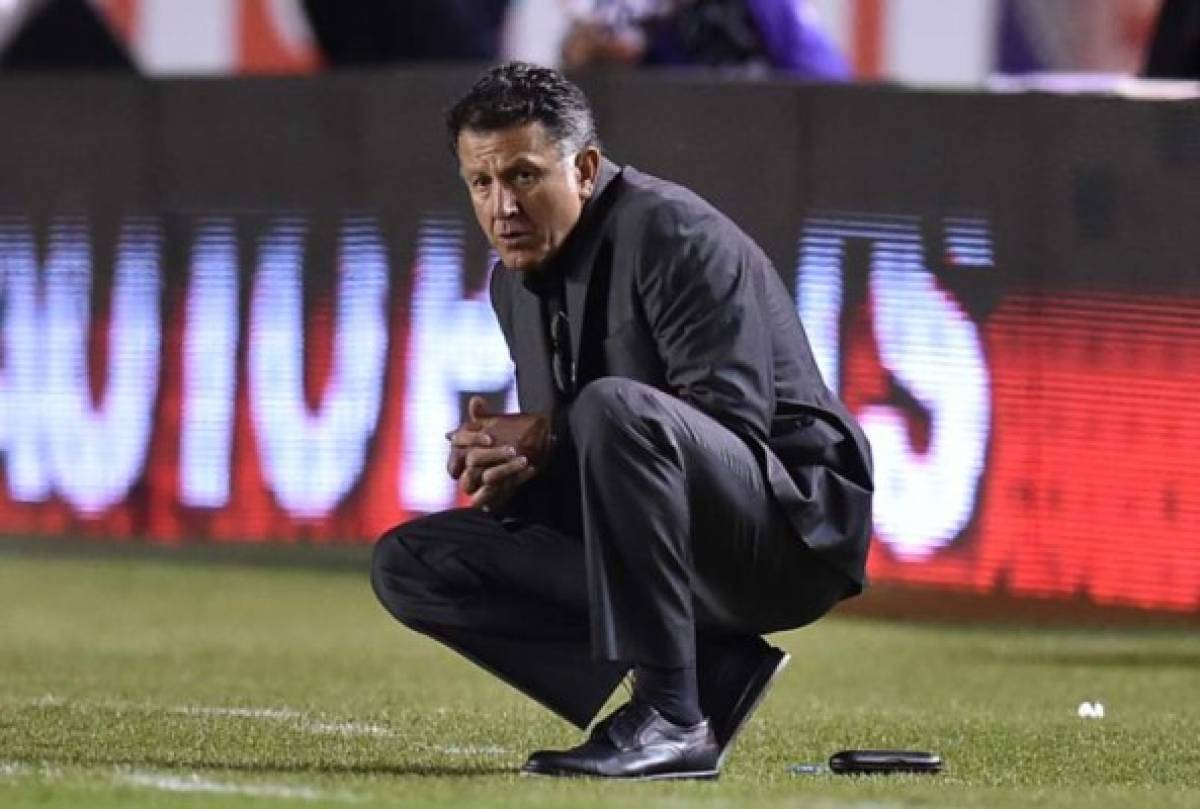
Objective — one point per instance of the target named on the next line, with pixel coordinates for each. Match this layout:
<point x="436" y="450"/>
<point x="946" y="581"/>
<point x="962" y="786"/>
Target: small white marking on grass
<point x="194" y="783"/>
<point x="348" y="728"/>
<point x="283" y="714"/>
<point x="12" y="769"/>
<point x="48" y="701"/>
<point x="468" y="750"/>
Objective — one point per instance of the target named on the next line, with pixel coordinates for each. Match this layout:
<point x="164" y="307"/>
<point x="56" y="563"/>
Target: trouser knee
<point x="394" y="571"/>
<point x="611" y="412"/>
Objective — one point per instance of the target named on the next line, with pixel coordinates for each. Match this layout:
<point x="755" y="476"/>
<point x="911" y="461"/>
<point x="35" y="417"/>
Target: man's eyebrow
<point x="518" y="160"/>
<point x="523" y="160"/>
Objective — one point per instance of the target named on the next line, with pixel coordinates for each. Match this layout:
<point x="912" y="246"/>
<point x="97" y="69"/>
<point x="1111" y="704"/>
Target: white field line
<point x="283" y="715"/>
<point x="194" y="783"/>
<point x="191" y="783"/>
<point x="288" y="715"/>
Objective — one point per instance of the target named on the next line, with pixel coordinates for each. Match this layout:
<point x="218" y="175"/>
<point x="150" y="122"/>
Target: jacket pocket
<point x="808" y="442"/>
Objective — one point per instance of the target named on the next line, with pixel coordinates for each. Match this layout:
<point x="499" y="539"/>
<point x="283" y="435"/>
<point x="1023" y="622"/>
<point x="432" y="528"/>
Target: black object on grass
<point x="866" y="762"/>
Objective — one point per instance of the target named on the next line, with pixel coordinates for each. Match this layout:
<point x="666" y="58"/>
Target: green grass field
<point x="138" y="682"/>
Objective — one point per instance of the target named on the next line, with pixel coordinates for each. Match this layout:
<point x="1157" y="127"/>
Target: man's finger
<point x="456" y="463"/>
<point x="470" y="481"/>
<point x="470" y="438"/>
<point x="498" y="493"/>
<point x="478" y="462"/>
<point x="477" y="409"/>
<point x="461" y="441"/>
<point x="524" y="476"/>
<point x="495" y="474"/>
<point x="484" y="457"/>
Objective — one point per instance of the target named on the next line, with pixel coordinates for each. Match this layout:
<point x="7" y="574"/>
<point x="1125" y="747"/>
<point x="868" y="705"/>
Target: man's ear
<point x="587" y="168"/>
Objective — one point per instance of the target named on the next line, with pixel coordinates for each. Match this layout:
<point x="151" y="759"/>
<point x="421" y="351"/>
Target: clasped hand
<point x="487" y="474"/>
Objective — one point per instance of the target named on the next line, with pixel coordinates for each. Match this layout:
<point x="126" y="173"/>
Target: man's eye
<point x="525" y="177"/>
<point x="480" y="183"/>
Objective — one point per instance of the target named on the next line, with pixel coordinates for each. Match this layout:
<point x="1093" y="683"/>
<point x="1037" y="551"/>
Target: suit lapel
<point x="535" y="385"/>
<point x="580" y="276"/>
<point x="576" y="289"/>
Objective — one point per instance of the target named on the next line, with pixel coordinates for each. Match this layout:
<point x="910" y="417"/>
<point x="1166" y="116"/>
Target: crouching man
<point x="691" y="483"/>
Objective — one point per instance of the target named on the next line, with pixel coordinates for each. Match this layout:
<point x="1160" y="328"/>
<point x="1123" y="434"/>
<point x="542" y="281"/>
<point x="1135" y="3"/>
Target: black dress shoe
<point x="734" y="677"/>
<point x="635" y="742"/>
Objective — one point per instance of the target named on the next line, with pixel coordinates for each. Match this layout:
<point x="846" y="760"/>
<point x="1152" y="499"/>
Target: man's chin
<point x="522" y="262"/>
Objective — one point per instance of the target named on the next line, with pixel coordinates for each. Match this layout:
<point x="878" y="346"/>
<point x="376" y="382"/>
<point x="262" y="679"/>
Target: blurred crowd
<point x="753" y="36"/>
<point x="757" y="36"/>
<point x="827" y="40"/>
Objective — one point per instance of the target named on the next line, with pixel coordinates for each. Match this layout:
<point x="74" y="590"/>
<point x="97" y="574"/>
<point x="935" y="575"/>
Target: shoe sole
<point x="699" y="775"/>
<point x="780" y="665"/>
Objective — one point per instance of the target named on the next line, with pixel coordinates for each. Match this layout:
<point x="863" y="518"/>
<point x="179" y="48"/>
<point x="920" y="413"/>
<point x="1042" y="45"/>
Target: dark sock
<point x="672" y="692"/>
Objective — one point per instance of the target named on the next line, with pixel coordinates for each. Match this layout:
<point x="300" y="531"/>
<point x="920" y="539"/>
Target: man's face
<point x="526" y="194"/>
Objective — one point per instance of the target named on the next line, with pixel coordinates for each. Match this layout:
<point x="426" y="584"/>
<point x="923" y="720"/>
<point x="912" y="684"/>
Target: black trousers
<point x="681" y="543"/>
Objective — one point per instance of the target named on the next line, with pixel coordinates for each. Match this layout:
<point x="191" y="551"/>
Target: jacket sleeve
<point x="701" y="297"/>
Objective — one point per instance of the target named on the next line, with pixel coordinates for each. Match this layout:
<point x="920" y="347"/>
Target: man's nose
<point x="506" y="202"/>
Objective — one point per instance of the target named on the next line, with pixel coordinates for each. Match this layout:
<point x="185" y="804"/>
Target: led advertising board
<point x="249" y="311"/>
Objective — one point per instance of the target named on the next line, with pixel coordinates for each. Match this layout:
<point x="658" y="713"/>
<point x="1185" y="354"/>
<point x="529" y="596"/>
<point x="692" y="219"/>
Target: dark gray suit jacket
<point x="664" y="289"/>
